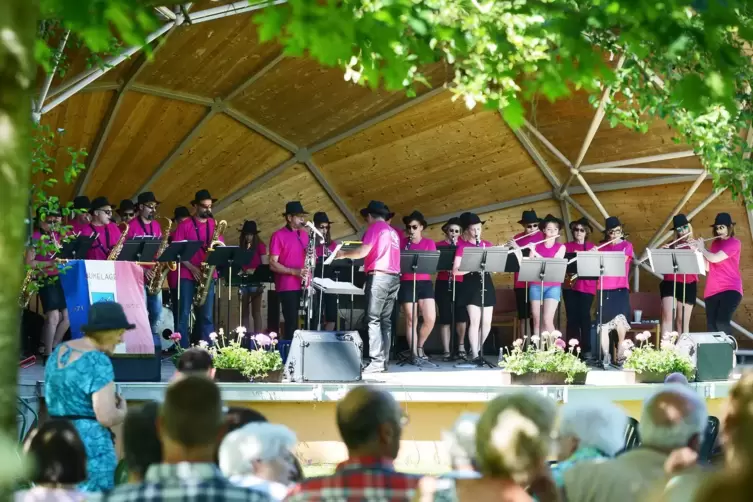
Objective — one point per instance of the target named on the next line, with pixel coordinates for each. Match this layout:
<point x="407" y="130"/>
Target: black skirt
<point x="614" y="303"/>
<point x="687" y="296"/>
<point x="472" y="290"/>
<point x="443" y="297"/>
<point x="424" y="290"/>
<point x="52" y="297"/>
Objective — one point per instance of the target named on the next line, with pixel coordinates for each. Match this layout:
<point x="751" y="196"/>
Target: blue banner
<point x="76" y="289"/>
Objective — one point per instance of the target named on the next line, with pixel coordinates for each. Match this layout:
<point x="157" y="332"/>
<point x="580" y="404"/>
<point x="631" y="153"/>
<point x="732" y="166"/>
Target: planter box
<point x="272" y="377"/>
<point x="542" y="378"/>
<point x="229" y="375"/>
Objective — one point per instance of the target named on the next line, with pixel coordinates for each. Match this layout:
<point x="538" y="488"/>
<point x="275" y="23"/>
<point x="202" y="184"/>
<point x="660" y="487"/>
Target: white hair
<point x="599" y="425"/>
<point x="254" y="441"/>
<point x="693" y="422"/>
<point x="461" y="439"/>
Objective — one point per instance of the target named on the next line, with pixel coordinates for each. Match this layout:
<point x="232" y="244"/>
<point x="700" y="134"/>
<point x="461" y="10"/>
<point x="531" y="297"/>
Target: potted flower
<point x="235" y="363"/>
<point x="653" y="366"/>
<point x="547" y="360"/>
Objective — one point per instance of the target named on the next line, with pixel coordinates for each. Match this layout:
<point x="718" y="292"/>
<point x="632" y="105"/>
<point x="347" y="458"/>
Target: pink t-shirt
<point x="137" y="228"/>
<point x="47" y="244"/>
<point x="534" y="237"/>
<point x="261" y="250"/>
<point x="682" y="278"/>
<point x="290" y="248"/>
<point x="320" y="249"/>
<point x="191" y="229"/>
<point x="423" y="245"/>
<point x="443" y="276"/>
<point x="77" y="227"/>
<point x="384" y="255"/>
<point x="106" y="238"/>
<point x="551" y="252"/>
<point x="619" y="282"/>
<point x="582" y="285"/>
<point x="725" y="275"/>
<point x="462" y="244"/>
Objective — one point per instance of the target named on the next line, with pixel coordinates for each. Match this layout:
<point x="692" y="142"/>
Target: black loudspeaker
<point x="712" y="354"/>
<point x="324" y="356"/>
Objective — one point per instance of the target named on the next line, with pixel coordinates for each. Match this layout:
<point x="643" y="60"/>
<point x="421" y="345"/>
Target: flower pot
<point x="271" y="377"/>
<point x="650" y="377"/>
<point x="541" y="378"/>
<point x="229" y="375"/>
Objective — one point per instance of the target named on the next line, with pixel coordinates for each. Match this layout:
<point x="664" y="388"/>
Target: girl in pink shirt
<point x="251" y="294"/>
<point x="531" y="233"/>
<point x="580" y="296"/>
<point x="724" y="284"/>
<point x="443" y="295"/>
<point x="324" y="248"/>
<point x="424" y="289"/>
<point x="680" y="288"/>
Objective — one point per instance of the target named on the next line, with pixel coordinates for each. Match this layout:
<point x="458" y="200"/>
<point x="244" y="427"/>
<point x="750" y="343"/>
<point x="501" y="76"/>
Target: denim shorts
<point x="550" y="292"/>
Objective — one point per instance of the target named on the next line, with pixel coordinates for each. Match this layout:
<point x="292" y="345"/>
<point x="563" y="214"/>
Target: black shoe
<point x="374" y="368"/>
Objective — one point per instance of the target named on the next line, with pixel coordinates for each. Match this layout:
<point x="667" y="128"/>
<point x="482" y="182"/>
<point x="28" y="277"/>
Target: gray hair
<point x="461" y="439"/>
<point x="513" y="435"/>
<point x="672" y="416"/>
<point x="599" y="425"/>
<point x="254" y="441"/>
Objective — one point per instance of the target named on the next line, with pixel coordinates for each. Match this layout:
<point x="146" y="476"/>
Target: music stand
<point x="601" y="264"/>
<point x="229" y="256"/>
<point x="417" y="262"/>
<point x="76" y="249"/>
<point x="543" y="270"/>
<point x="482" y="260"/>
<point x="445" y="264"/>
<point x="137" y="249"/>
<point x="676" y="261"/>
<point x="350" y="246"/>
<point x="178" y="252"/>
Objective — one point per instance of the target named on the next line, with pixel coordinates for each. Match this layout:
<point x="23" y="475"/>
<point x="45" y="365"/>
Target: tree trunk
<point x="17" y="75"/>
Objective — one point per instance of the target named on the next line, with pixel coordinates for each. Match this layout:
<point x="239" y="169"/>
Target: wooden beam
<point x="548" y="144"/>
<point x="565" y="209"/>
<point x="250" y="187"/>
<point x="170" y="94"/>
<point x="341" y="205"/>
<point x="637" y="161"/>
<point x="592" y="195"/>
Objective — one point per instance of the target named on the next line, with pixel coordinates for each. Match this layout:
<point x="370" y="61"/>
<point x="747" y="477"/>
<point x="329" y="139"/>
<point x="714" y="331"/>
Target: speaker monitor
<point x="712" y="354"/>
<point x="324" y="356"/>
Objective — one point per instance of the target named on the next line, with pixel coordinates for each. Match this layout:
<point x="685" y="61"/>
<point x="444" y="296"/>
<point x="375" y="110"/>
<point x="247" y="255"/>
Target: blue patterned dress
<point x="68" y="392"/>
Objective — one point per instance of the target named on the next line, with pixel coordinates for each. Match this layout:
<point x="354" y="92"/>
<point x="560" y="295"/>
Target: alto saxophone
<point x="25" y="296"/>
<point x="309" y="265"/>
<point x="115" y="251"/>
<point x="161" y="269"/>
<point x="207" y="270"/>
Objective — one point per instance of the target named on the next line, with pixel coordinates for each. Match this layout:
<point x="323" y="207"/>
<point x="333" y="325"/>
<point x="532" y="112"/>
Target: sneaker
<point x="374" y="368"/>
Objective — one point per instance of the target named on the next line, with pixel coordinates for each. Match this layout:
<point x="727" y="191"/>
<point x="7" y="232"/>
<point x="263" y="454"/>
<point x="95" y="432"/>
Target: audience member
<point x="141" y="444"/>
<point x="189" y="425"/>
<point x="370" y="422"/>
<point x="259" y="455"/>
<point x="194" y="361"/>
<point x="588" y="430"/>
<point x="461" y="446"/>
<point x="59" y="459"/>
<point x="673" y="418"/>
<point x="677" y="378"/>
<point x="236" y="417"/>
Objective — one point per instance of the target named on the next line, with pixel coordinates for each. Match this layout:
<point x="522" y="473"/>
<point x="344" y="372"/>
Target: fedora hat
<point x="181" y="212"/>
<point x="321" y="217"/>
<point x="202" y="194"/>
<point x="611" y="222"/>
<point x="452" y="221"/>
<point x="126" y="204"/>
<point x="99" y="203"/>
<point x="583" y="222"/>
<point x="723" y="219"/>
<point x="249" y="227"/>
<point x="294" y="207"/>
<point x="378" y="208"/>
<point x="104" y="316"/>
<point x="529" y="217"/>
<point x="415" y="216"/>
<point x="147" y="197"/>
<point x="679" y="220"/>
<point x="468" y="219"/>
<point x="550" y="218"/>
<point x="82" y="202"/>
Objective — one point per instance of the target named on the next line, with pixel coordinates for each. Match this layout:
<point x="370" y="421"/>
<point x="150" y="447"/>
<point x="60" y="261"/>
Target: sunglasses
<point x="579" y="229"/>
<point x="129" y="215"/>
<point x="531" y="227"/>
<point x="614" y="231"/>
<point x="412" y="227"/>
<point x="453" y="231"/>
<point x="106" y="211"/>
<point x="682" y="229"/>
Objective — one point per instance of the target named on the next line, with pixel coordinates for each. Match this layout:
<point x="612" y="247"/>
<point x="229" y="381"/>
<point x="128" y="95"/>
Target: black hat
<point x="181" y="212"/>
<point x="98" y="203"/>
<point x="126" y="204"/>
<point x="584" y="222"/>
<point x="82" y="202"/>
<point x="611" y="222"/>
<point x="468" y="219"/>
<point x="294" y="207"/>
<point x="249" y="227"/>
<point x="550" y="218"/>
<point x="146" y="197"/>
<point x="529" y="217"/>
<point x="415" y="216"/>
<point x="679" y="220"/>
<point x="378" y="208"/>
<point x="321" y="217"/>
<point x="723" y="219"/>
<point x="104" y="316"/>
<point x="46" y="211"/>
<point x="202" y="194"/>
<point x="452" y="221"/>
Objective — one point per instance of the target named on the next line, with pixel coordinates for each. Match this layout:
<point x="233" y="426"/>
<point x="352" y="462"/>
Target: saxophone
<point x="207" y="270"/>
<point x="161" y="268"/>
<point x="309" y="265"/>
<point x="115" y="251"/>
<point x="25" y="296"/>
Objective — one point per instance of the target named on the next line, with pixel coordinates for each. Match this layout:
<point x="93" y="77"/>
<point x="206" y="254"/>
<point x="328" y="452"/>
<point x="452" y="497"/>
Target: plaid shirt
<point x="184" y="482"/>
<point x="358" y="480"/>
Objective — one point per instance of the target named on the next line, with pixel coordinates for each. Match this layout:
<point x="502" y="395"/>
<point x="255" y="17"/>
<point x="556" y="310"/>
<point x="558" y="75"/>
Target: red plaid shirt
<point x="358" y="480"/>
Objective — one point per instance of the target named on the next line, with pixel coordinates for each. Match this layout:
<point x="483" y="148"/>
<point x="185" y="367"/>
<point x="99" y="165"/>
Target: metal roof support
<point x="518" y="201"/>
<point x="242" y="7"/>
<point x="634" y="183"/>
<point x="537" y="158"/>
<point x="637" y="160"/>
<point x="677" y="208"/>
<point x="591" y="194"/>
<point x="548" y="144"/>
<point x="243" y="191"/>
<point x="565" y="209"/>
<point x="169" y="94"/>
<point x="647" y="170"/>
<point x="166" y="13"/>
<point x="341" y="205"/>
<point x="37" y="113"/>
<point x="585" y="213"/>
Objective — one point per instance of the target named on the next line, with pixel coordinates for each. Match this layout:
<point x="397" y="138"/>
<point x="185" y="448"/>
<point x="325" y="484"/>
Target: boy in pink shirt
<point x="82" y="217"/>
<point x="106" y="233"/>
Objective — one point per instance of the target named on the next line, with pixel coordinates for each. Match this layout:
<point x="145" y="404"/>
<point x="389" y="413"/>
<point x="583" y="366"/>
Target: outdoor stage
<point x="432" y="397"/>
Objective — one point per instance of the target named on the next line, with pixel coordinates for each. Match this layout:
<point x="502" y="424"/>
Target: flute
<point x="596" y="248"/>
<point x="522" y="237"/>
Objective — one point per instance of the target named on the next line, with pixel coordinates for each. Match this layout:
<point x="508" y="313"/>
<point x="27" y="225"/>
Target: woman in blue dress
<point x="80" y="387"/>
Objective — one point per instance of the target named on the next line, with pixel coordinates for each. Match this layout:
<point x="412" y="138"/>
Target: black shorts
<point x="329" y="312"/>
<point x="472" y="290"/>
<point x="424" y="290"/>
<point x="443" y="297"/>
<point x="688" y="296"/>
<point x="615" y="302"/>
<point x="522" y="304"/>
<point x="52" y="297"/>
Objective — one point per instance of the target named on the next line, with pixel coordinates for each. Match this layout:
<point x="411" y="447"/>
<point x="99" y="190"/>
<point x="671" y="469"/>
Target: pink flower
<point x="573" y="342"/>
<point x="263" y="339"/>
<point x="273" y="335"/>
<point x="643" y="337"/>
<point x="560" y="343"/>
<point x="556" y="334"/>
<point x="175" y="337"/>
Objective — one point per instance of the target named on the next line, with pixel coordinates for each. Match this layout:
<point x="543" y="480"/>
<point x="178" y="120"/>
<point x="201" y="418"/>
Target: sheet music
<point x="701" y="262"/>
<point x="334" y="287"/>
<point x="650" y="258"/>
<point x="332" y="255"/>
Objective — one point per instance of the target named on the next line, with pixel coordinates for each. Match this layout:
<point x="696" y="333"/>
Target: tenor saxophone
<point x="115" y="251"/>
<point x="161" y="269"/>
<point x="207" y="270"/>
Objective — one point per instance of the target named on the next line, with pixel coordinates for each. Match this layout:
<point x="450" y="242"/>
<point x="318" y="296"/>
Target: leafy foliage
<point x="547" y="353"/>
<point x="668" y="359"/>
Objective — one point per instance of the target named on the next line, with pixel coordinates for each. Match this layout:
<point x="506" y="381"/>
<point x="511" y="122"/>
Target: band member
<point x="724" y="284"/>
<point x="144" y="226"/>
<point x="199" y="227"/>
<point x="681" y="287"/>
<point x="82" y="217"/>
<point x="106" y="233"/>
<point x="180" y="213"/>
<point x="287" y="260"/>
<point x="322" y="223"/>
<point x="552" y="291"/>
<point x="424" y="294"/>
<point x="251" y="294"/>
<point x="580" y="296"/>
<point x="471" y="237"/>
<point x="443" y="296"/>
<point x="531" y="233"/>
<point x="381" y="252"/>
<point x="127" y="210"/>
<point x="616" y="290"/>
<point x="45" y="240"/>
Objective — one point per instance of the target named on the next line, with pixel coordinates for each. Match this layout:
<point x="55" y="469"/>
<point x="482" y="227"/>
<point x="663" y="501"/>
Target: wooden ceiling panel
<point x="143" y="134"/>
<point x="306" y="103"/>
<point x="211" y="58"/>
<point x="436" y="157"/>
<point x="76" y="122"/>
<point x="224" y="157"/>
<point x="267" y="203"/>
